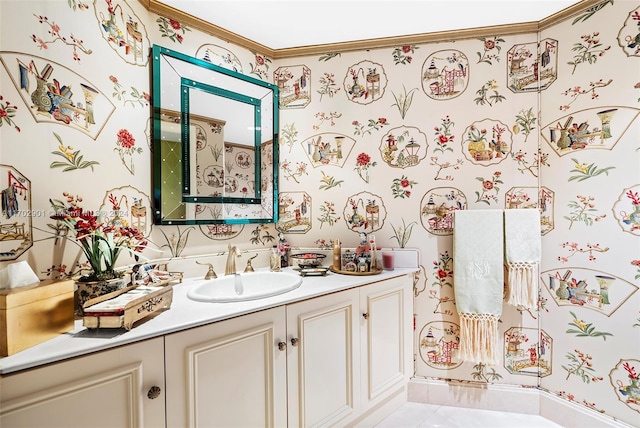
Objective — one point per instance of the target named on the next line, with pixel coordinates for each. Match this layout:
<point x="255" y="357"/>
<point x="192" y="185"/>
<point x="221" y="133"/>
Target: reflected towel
<point x="522" y="254"/>
<point x="478" y="259"/>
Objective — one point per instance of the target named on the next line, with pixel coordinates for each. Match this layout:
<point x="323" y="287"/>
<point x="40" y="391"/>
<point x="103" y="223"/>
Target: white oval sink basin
<point x="244" y="286"/>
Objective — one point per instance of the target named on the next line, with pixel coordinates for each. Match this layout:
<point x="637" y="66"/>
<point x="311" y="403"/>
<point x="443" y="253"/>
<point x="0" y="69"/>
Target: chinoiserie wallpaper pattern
<point x="390" y="141"/>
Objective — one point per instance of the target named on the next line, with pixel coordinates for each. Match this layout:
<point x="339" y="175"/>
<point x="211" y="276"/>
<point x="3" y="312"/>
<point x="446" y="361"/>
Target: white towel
<point x="478" y="274"/>
<point x="523" y="250"/>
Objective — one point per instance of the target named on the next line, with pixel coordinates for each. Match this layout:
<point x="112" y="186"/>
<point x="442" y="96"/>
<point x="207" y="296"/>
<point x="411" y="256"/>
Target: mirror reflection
<point x="213" y="134"/>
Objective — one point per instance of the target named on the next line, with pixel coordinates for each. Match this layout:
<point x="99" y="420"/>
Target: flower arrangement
<point x="101" y="241"/>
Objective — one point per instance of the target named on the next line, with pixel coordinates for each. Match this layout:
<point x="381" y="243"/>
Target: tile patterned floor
<point x="417" y="415"/>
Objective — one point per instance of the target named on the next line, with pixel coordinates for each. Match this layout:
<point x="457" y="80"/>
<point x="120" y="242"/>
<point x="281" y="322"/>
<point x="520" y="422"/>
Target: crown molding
<point x="207" y="27"/>
<point x="569" y="12"/>
<point x="368" y="44"/>
<point x="412" y="39"/>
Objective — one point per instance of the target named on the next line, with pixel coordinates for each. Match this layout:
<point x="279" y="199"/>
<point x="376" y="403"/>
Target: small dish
<point x="308" y="259"/>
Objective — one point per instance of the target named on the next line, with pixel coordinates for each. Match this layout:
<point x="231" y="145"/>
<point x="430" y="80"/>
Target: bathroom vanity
<point x="335" y="351"/>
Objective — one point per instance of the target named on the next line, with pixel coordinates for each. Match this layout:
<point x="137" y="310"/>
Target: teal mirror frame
<point x="188" y="86"/>
<point x="172" y="182"/>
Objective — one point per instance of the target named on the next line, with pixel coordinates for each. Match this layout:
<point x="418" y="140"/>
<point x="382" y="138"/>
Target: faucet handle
<point x="249" y="267"/>
<point x="211" y="274"/>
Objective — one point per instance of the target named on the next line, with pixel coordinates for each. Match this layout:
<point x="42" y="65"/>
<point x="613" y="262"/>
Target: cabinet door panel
<point x="323" y="374"/>
<point x="387" y="336"/>
<point x="106" y="389"/>
<point x="228" y="374"/>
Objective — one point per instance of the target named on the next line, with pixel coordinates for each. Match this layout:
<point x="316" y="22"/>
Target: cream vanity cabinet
<point x="293" y="365"/>
<point x="325" y="361"/>
<point x="332" y="360"/>
<point x="121" y="387"/>
<point x="386" y="343"/>
<point x="230" y="373"/>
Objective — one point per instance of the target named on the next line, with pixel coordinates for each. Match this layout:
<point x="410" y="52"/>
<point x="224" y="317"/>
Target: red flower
<point x="3" y="113"/>
<point x="406" y="49"/>
<point x="443" y="138"/>
<point x="125" y="139"/>
<point x="487" y="185"/>
<point x="442" y="274"/>
<point x="363" y="159"/>
<point x="114" y="79"/>
<point x="259" y="60"/>
<point x="489" y="44"/>
<point x="404" y="183"/>
<point x="382" y="120"/>
<point x="174" y="24"/>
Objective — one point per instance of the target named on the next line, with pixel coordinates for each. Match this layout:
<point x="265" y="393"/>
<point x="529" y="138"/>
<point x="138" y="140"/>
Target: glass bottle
<point x="373" y="266"/>
<point x="337" y="255"/>
<point x="274" y="260"/>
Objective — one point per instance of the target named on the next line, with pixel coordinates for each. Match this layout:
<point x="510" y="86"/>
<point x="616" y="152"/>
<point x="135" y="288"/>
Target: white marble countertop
<point x="183" y="314"/>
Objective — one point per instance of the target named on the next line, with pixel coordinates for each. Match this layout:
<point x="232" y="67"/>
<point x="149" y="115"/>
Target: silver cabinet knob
<point x="294" y="341"/>
<point x="282" y="346"/>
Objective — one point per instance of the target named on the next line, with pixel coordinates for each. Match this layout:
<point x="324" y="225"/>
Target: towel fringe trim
<point x="523" y="287"/>
<point x="479" y="342"/>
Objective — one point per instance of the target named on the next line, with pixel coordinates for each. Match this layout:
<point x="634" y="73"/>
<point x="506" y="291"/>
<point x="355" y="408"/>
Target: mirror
<point x="215" y="145"/>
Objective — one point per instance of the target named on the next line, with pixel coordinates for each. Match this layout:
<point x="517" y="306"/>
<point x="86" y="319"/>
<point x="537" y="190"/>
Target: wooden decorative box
<point x="33" y="314"/>
<point x="122" y="308"/>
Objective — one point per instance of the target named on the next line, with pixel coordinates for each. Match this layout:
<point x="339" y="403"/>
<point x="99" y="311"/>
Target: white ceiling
<point x="298" y="23"/>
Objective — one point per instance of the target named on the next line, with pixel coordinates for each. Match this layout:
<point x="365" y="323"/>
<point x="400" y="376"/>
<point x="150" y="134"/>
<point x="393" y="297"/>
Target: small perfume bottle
<point x="274" y="260"/>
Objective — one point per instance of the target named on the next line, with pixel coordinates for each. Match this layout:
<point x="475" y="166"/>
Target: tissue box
<point x="33" y="314"/>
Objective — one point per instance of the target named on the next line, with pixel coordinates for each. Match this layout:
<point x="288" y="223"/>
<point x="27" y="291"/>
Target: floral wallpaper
<point x="392" y="140"/>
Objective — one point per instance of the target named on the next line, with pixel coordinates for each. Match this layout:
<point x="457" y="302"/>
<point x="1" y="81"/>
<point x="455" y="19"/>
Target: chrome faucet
<point x="230" y="267"/>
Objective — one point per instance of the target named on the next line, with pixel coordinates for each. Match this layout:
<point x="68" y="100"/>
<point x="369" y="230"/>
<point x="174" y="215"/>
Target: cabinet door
<point x="228" y="374"/>
<point x="323" y="360"/>
<point x="386" y="337"/>
<point x="106" y="389"/>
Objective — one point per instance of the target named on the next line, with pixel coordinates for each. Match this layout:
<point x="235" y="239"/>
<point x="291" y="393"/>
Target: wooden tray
<point x="134" y="310"/>
<point x="345" y="272"/>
